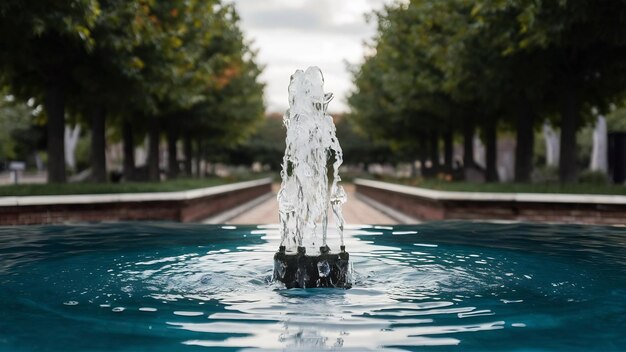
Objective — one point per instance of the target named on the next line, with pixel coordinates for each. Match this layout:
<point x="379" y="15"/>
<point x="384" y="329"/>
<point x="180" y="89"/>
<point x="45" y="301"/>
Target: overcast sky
<point x="295" y="34"/>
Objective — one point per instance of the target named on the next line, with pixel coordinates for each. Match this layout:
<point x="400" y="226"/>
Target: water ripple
<point x="169" y="286"/>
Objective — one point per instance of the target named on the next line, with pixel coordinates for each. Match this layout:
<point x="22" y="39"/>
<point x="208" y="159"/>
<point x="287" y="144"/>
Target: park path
<point x="355" y="211"/>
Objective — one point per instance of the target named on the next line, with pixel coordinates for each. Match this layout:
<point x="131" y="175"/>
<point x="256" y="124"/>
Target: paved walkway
<point x="24" y="178"/>
<point x="355" y="211"/>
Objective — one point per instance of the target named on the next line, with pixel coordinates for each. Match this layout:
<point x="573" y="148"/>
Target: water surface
<point x="438" y="286"/>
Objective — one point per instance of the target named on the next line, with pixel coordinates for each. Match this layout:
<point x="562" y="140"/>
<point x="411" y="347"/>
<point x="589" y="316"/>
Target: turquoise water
<point x="438" y="286"/>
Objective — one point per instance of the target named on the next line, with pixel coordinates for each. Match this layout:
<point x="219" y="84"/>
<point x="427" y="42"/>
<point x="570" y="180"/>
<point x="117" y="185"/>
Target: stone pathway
<point x="355" y="211"/>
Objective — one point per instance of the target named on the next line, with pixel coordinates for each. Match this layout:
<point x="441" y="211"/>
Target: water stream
<point x="310" y="169"/>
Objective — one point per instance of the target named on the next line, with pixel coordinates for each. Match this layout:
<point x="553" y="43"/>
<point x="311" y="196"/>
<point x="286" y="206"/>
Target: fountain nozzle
<point x="299" y="270"/>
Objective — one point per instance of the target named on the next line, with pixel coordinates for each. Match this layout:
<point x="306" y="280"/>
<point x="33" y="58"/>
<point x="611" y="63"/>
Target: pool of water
<point x="436" y="286"/>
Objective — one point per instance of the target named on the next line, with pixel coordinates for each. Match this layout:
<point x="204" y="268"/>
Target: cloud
<point x="295" y="34"/>
<point x="303" y="19"/>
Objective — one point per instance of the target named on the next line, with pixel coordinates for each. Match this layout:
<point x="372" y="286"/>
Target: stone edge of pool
<point x="184" y="206"/>
<point x="428" y="204"/>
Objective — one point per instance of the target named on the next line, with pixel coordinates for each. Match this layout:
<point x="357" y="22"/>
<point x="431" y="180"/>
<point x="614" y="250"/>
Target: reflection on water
<point x="169" y="286"/>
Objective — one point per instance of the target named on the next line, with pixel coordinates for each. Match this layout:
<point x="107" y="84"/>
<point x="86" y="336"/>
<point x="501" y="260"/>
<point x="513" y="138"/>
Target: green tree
<point x="145" y="65"/>
<point x="206" y="86"/>
<point x="402" y="94"/>
<point x="448" y="63"/>
<point x="232" y="104"/>
<point x="507" y="86"/>
<point x="582" y="46"/>
<point x="112" y="72"/>
<point x="41" y="43"/>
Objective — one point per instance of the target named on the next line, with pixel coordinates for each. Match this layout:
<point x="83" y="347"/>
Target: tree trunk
<point x="202" y="155"/>
<point x="525" y="140"/>
<point x="202" y="151"/>
<point x="188" y="151"/>
<point x="54" y="103"/>
<point x="448" y="149"/>
<point x="153" y="152"/>
<point x="172" y="151"/>
<point x="491" y="145"/>
<point x="468" y="143"/>
<point x="199" y="159"/>
<point x="423" y="155"/>
<point x="570" y="113"/>
<point x="434" y="150"/>
<point x="98" y="144"/>
<point x="129" y="151"/>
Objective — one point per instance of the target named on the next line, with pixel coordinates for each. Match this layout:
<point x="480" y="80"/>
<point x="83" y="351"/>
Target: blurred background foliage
<point x="442" y="69"/>
<point x="179" y="79"/>
<point x="179" y="70"/>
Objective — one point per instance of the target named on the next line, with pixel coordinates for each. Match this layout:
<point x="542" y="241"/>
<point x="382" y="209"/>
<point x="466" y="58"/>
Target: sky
<point x="296" y="34"/>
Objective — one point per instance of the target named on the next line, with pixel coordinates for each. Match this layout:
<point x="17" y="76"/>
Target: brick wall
<point x="424" y="208"/>
<point x="172" y="210"/>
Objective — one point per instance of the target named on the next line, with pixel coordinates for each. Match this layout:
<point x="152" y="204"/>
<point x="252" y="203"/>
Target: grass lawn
<point x="547" y="187"/>
<point x="124" y="187"/>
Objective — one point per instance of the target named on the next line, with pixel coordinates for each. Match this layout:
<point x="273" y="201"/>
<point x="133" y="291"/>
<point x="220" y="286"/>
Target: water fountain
<point x="307" y="191"/>
<point x="446" y="285"/>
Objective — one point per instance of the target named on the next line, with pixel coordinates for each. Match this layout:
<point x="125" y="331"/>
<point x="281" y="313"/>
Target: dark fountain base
<point x="298" y="270"/>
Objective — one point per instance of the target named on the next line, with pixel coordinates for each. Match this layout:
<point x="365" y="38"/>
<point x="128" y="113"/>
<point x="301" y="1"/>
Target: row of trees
<point x="267" y="146"/>
<point x="142" y="67"/>
<point x="442" y="67"/>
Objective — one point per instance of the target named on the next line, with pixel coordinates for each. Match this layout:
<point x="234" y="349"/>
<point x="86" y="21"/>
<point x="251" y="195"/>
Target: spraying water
<point x="312" y="150"/>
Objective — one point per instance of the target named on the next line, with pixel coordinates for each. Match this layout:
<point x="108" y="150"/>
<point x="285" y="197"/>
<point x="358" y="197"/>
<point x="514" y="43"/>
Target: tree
<point x="143" y="65"/>
<point x="581" y="43"/>
<point x="396" y="88"/>
<point x="204" y="87"/>
<point x="40" y="44"/>
<point x="454" y="62"/>
<point x="404" y="93"/>
<point x="112" y="71"/>
<point x="232" y="104"/>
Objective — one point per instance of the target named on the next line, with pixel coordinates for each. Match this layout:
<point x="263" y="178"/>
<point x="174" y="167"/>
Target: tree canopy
<point x="454" y="64"/>
<point x="145" y="65"/>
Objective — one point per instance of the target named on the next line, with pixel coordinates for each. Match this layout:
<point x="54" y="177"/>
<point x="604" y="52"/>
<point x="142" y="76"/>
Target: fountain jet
<point x="310" y="186"/>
